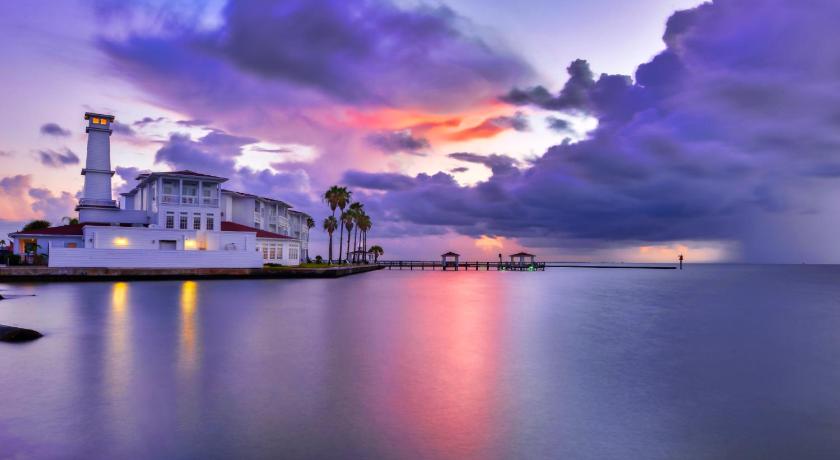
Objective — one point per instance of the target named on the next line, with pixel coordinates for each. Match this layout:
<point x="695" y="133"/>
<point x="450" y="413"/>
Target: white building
<point x="271" y="216"/>
<point x="169" y="220"/>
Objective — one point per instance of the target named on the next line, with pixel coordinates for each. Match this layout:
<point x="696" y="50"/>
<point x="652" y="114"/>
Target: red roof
<point x="64" y="230"/>
<point x="234" y="227"/>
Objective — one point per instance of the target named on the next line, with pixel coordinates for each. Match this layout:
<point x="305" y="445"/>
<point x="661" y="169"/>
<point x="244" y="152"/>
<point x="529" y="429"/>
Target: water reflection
<point x="448" y="366"/>
<point x="118" y="363"/>
<point x="188" y="360"/>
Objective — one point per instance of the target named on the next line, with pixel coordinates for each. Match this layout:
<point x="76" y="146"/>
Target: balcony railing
<point x="189" y="200"/>
<point x="206" y="201"/>
<point x="169" y="199"/>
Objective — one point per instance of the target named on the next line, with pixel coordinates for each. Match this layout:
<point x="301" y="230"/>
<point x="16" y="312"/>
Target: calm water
<point x="710" y="362"/>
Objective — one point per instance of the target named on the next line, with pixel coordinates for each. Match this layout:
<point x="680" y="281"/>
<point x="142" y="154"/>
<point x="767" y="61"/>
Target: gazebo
<point x="449" y="259"/>
<point x="519" y="259"/>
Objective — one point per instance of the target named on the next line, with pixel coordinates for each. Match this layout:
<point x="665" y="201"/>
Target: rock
<point x="17" y="334"/>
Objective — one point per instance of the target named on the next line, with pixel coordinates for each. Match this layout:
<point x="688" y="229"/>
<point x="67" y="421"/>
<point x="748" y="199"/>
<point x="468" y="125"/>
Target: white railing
<point x="169" y="199"/>
<point x="210" y="201"/>
<point x="189" y="199"/>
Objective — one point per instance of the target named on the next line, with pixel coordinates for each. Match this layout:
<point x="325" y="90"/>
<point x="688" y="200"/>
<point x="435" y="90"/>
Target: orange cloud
<point x="490" y="244"/>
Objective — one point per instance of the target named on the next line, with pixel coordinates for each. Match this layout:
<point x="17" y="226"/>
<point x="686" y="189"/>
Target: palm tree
<point x="342" y="197"/>
<point x="358" y="211"/>
<point x="377" y="251"/>
<point x="331" y="197"/>
<point x="346" y="222"/>
<point x="69" y="220"/>
<point x="329" y="225"/>
<point x="348" y="218"/>
<point x="310" y="224"/>
<point x="364" y="226"/>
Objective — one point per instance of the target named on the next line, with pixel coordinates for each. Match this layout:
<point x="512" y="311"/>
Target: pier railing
<point x="474" y="265"/>
<point x="508" y="266"/>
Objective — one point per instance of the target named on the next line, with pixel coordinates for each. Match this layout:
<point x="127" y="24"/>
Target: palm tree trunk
<point x="340" y="240"/>
<point x="355" y="242"/>
<point x="330" y="255"/>
<point x="348" y="245"/>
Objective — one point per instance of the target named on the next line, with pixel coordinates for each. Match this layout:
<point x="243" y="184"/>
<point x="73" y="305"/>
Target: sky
<point x="604" y="130"/>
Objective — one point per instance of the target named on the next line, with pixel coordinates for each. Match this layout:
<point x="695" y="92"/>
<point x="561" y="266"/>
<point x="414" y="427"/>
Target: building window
<point x="183" y="223"/>
<point x="293" y="253"/>
<point x="256" y="206"/>
<point x="279" y="251"/>
<point x="196" y="221"/>
<point x="265" y="251"/>
<point x="272" y="252"/>
<point x="170" y="220"/>
<point x="211" y="224"/>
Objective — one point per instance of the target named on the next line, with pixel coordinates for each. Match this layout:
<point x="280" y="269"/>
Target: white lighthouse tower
<point x="96" y="203"/>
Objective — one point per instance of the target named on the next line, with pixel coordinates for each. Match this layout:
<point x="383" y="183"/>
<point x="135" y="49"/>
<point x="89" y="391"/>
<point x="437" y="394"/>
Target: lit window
<point x="120" y="241"/>
<point x="95" y="120"/>
<point x="190" y="244"/>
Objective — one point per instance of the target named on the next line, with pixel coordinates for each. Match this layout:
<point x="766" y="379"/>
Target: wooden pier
<point x="505" y="266"/>
<point x="455" y="266"/>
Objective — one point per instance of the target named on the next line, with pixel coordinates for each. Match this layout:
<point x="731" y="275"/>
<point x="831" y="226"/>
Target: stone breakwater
<point x="10" y="274"/>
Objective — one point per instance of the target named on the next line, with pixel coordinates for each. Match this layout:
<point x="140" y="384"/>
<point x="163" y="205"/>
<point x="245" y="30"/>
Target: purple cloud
<point x="398" y="141"/>
<point x="377" y="181"/>
<point x="729" y="131"/>
<point x="53" y="129"/>
<point x="122" y="129"/>
<point x="498" y="164"/>
<point x="558" y="125"/>
<point x="53" y="207"/>
<point x="56" y="159"/>
<point x="216" y="153"/>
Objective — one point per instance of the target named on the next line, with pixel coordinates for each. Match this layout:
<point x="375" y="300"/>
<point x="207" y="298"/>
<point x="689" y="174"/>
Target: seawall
<point x="11" y="274"/>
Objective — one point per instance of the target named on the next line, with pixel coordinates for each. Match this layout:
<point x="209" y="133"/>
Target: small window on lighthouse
<point x="95" y="120"/>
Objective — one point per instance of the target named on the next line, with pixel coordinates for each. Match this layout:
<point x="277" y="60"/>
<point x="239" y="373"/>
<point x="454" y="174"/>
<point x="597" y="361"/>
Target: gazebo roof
<point x="450" y="253"/>
<point x="522" y="254"/>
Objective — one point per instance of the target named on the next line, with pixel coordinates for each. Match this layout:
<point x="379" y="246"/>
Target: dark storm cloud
<point x="53" y="207"/>
<point x="363" y="52"/>
<point x="216" y="153"/>
<point x="122" y="129"/>
<point x="516" y="122"/>
<point x="729" y="131"/>
<point x="398" y="141"/>
<point x="129" y="175"/>
<point x="148" y="121"/>
<point x="558" y="125"/>
<point x="53" y="129"/>
<point x="498" y="164"/>
<point x="377" y="181"/>
<point x="193" y="123"/>
<point x="57" y="159"/>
